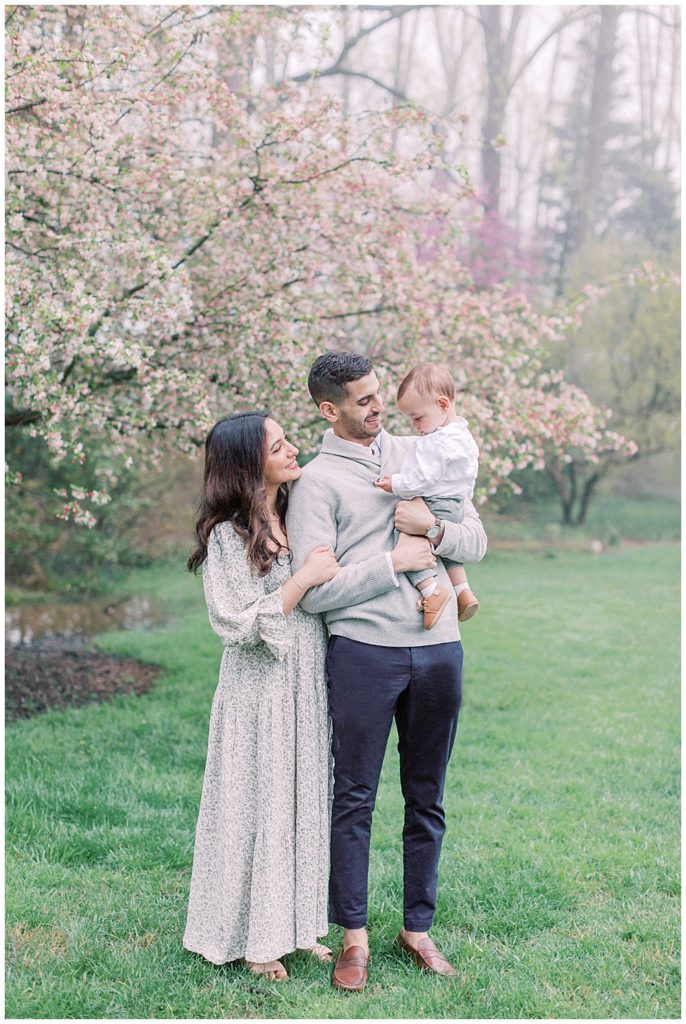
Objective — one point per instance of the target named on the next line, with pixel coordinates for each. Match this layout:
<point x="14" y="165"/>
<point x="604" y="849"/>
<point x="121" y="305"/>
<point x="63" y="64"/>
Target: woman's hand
<point x="320" y="567"/>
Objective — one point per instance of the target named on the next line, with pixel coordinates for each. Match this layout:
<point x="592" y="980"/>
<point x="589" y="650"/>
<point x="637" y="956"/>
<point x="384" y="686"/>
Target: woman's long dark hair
<point x="234" y="490"/>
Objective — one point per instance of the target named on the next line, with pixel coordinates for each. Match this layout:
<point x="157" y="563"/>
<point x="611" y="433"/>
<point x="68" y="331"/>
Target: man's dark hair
<point x="332" y="371"/>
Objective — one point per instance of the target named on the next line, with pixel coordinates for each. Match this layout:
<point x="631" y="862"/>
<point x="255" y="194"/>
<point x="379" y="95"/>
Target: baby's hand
<point x="384" y="484"/>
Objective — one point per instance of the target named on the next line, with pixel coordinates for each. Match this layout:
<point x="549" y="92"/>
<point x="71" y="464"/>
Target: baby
<point x="441" y="467"/>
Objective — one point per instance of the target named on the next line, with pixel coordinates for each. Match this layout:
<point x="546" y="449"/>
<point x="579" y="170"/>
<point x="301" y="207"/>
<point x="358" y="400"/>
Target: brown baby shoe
<point x="434" y="606"/>
<point x="467" y="605"/>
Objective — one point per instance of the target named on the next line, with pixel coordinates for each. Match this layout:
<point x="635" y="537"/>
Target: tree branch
<point x="22" y="417"/>
<point x="25" y="106"/>
<point x="332" y="170"/>
<point x="156" y="28"/>
<point x="650" y="12"/>
<point x="515" y="20"/>
<point x="27" y="252"/>
<point x="129" y="292"/>
<point x="357" y="312"/>
<point x="69" y="369"/>
<point x="568" y="19"/>
<point x="337" y="67"/>
<point x="395" y="13"/>
<point x="173" y="68"/>
<point x="403" y="97"/>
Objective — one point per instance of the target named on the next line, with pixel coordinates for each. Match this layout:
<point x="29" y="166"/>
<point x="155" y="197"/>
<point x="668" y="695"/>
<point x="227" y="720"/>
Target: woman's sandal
<point x="273" y="970"/>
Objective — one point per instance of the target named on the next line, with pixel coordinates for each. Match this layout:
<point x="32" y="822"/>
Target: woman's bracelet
<point x="304" y="589"/>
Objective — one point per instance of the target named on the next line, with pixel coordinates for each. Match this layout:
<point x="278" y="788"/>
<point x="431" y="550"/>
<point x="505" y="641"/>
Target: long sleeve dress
<point x="259" y="886"/>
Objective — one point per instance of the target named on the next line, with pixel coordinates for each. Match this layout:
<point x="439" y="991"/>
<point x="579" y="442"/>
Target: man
<point x="381" y="662"/>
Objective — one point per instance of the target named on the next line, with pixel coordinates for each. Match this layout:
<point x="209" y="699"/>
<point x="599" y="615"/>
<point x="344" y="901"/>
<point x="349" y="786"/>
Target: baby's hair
<point x="428" y="379"/>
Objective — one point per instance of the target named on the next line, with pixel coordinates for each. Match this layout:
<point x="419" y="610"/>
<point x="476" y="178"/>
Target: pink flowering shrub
<point x="183" y="241"/>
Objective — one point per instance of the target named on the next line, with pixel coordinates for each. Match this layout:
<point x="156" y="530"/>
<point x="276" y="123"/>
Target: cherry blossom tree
<point x="184" y="237"/>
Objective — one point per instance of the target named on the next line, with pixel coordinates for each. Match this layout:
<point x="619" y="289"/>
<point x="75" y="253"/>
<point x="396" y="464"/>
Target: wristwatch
<point x="434" y="530"/>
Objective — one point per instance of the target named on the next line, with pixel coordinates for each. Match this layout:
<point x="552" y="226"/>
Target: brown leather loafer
<point x="350" y="971"/>
<point x="427" y="956"/>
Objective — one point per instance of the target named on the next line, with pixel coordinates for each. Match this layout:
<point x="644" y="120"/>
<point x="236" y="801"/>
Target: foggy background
<point x="567" y="120"/>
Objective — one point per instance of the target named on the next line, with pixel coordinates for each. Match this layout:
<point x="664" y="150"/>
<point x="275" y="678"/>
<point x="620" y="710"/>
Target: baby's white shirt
<point x="441" y="464"/>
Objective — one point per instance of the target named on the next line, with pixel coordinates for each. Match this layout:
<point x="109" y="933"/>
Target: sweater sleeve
<point x="311" y="521"/>
<point x="241" y="613"/>
<point x="465" y="541"/>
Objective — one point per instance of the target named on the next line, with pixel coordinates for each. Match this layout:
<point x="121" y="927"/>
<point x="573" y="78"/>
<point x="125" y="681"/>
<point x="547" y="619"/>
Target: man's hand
<point x="412" y="553"/>
<point x="413" y="516"/>
<point x="384" y="483"/>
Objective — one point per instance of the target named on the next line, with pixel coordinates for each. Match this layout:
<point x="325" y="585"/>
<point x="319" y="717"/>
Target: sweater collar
<point x="333" y="445"/>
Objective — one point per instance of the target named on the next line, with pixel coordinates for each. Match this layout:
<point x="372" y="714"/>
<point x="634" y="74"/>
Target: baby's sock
<point x="428" y="589"/>
<point x="459" y="587"/>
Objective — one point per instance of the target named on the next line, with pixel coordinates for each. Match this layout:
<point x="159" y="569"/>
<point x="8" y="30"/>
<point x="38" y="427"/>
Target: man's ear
<point x="328" y="411"/>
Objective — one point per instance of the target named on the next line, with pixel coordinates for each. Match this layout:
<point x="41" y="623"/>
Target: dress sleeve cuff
<point x="273" y="626"/>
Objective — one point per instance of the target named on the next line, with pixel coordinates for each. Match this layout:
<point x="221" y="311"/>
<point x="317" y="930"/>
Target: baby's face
<point x="423" y="411"/>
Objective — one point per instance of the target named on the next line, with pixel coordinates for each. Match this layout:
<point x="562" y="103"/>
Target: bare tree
<point x="501" y="77"/>
<point x="340" y="65"/>
<point x="499" y="43"/>
<point x="670" y="125"/>
<point x="598" y="125"/>
<point x="402" y="63"/>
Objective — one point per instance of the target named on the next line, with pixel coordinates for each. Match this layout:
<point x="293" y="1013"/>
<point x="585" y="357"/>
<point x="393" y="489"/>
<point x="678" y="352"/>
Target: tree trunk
<point x="496" y="101"/>
<point x="586" y="495"/>
<point x="345" y="81"/>
<point x="566" y="489"/>
<point x="598" y="123"/>
<point x="673" y="85"/>
<point x="551" y="99"/>
<point x="397" y="75"/>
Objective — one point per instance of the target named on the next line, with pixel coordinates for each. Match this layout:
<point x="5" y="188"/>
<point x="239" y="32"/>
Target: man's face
<point x="359" y="416"/>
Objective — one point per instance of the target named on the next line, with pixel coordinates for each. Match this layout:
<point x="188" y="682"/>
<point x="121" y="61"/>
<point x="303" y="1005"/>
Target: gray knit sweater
<point x="334" y="502"/>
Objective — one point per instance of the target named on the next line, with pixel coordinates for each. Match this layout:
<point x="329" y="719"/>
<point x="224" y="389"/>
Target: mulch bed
<point x="38" y="678"/>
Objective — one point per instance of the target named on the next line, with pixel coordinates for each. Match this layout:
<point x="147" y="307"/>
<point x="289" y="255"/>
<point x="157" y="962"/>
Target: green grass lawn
<point x="559" y="890"/>
<point x="611" y="519"/>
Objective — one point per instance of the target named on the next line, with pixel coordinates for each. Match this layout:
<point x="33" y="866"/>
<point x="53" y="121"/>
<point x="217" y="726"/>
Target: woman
<point x="260" y="868"/>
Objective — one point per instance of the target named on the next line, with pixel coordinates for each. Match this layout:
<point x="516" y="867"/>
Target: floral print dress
<point x="259" y="886"/>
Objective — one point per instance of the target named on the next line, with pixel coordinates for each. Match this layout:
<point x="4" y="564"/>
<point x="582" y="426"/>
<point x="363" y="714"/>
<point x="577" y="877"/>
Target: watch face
<point x="433" y="531"/>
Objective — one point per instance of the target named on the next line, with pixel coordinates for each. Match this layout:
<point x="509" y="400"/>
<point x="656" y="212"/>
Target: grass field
<point x="611" y="519"/>
<point x="559" y="893"/>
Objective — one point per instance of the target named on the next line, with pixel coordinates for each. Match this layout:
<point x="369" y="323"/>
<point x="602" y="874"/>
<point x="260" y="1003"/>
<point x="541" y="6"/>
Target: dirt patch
<point x="39" y="940"/>
<point x="38" y="678"/>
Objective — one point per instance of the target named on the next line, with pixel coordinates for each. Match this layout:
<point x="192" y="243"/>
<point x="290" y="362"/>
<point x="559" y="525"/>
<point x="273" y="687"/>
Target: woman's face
<point x="279" y="464"/>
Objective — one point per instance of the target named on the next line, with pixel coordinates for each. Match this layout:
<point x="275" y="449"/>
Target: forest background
<point x="200" y="199"/>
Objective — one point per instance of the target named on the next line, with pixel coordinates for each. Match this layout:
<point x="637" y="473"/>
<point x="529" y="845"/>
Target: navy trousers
<point x="421" y="688"/>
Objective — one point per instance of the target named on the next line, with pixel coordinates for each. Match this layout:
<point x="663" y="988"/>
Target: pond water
<point x="29" y="623"/>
